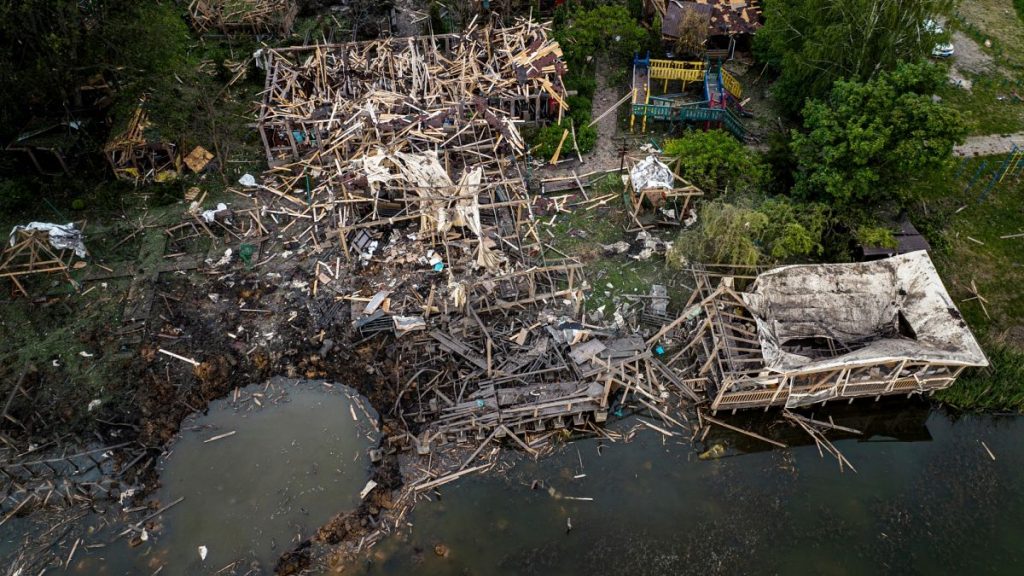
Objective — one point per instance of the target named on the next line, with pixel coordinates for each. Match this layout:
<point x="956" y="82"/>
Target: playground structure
<point x="1010" y="166"/>
<point x="721" y="92"/>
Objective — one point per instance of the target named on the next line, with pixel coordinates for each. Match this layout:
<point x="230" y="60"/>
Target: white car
<point x="944" y="49"/>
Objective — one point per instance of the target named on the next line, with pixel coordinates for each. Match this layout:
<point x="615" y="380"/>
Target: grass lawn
<point x="967" y="234"/>
<point x="582" y="234"/>
<point x="991" y="106"/>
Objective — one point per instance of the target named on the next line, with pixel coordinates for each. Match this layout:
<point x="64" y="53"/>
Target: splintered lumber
<point x="610" y="109"/>
<point x="820" y="440"/>
<point x="655" y="428"/>
<point x="177" y="356"/>
<point x="830" y="425"/>
<point x="554" y="158"/>
<point x="451" y="477"/>
<point x="459" y="348"/>
<point x="744" y="432"/>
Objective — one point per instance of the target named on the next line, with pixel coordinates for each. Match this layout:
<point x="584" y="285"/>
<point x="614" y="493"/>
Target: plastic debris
<point x="211" y="215"/>
<point x="61" y="236"/>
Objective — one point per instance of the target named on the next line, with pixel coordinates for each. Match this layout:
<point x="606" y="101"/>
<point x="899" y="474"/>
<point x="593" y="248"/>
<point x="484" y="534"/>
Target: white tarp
<point x="861" y="303"/>
<point x="62" y="237"/>
<point x="651" y="173"/>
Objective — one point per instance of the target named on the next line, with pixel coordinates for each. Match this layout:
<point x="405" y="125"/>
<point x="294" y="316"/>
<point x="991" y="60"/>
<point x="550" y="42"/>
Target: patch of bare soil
<point x="969" y="56"/>
<point x="989" y="144"/>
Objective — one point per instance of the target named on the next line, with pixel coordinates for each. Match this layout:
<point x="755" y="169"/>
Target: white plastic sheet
<point x="62" y="236"/>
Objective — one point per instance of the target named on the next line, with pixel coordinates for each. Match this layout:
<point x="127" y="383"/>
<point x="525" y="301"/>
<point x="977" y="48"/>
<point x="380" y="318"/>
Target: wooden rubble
<point x="29" y="253"/>
<point x="399" y="164"/>
<point x="243" y="16"/>
<point x="135" y="156"/>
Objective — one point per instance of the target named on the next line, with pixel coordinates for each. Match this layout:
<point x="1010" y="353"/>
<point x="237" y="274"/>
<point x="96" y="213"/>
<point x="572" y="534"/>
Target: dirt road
<point x="989" y="145"/>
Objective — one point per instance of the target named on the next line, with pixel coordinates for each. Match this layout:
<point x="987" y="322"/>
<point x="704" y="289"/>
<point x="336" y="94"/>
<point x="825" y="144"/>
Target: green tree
<point x="813" y="43"/>
<point x="871" y="141"/>
<point x="716" y="162"/>
<point x="605" y="30"/>
<point x="749" y="232"/>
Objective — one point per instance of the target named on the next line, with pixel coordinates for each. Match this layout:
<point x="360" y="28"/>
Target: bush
<point x="14" y="194"/>
<point x="870" y="235"/>
<point x="579" y="109"/>
<point x="745" y="234"/>
<point x="546" y="141"/>
<point x="871" y="141"/>
<point x="716" y="162"/>
<point x="605" y="30"/>
<point x="813" y="43"/>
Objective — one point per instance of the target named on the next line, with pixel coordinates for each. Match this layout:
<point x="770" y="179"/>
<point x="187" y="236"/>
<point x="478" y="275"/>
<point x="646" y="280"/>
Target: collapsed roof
<point x="804" y="334"/>
<point x="723" y="17"/>
<point x="884" y="310"/>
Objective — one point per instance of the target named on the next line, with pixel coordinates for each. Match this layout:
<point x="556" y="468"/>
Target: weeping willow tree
<point x="744" y="234"/>
<point x="813" y="43"/>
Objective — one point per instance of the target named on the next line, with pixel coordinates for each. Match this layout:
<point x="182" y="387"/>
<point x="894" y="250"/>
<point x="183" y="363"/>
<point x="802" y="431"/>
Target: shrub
<point x="715" y="162"/>
<point x="546" y="141"/>
<point x="776" y="230"/>
<point x="881" y="236"/>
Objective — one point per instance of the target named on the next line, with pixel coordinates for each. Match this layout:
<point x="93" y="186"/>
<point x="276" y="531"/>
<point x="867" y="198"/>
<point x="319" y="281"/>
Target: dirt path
<point x="989" y="145"/>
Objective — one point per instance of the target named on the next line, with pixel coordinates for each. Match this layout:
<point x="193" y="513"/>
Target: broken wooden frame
<point x="728" y="345"/>
<point x="318" y="98"/>
<point x="30" y="254"/>
<point x="677" y="198"/>
<point x="135" y="157"/>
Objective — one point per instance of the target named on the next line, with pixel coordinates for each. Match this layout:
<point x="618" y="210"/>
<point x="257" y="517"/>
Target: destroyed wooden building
<point x="399" y="163"/>
<point x="323" y="99"/>
<point x="228" y="17"/>
<point x="800" y="335"/>
<point x="723" y="26"/>
<point x="137" y="153"/>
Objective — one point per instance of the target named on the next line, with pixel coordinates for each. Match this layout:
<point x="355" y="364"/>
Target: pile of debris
<point x="455" y="93"/>
<point x="398" y="166"/>
<point x="137" y="153"/>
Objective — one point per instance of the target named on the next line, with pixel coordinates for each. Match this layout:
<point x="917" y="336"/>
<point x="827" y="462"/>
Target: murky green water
<point x="290" y="465"/>
<point x="927" y="499"/>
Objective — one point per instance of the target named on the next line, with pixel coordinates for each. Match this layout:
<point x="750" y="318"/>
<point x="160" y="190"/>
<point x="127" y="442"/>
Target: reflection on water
<point x="927" y="499"/>
<point x="930" y="507"/>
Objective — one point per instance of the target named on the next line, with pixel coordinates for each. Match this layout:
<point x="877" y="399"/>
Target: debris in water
<point x="716" y="451"/>
<point x="442" y="551"/>
<point x="370" y="485"/>
<point x="202" y="553"/>
<point x="990" y="454"/>
<point x="219" y="436"/>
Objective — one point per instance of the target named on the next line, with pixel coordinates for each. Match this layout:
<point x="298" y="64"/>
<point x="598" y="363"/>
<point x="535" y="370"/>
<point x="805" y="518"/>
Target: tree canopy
<point x="813" y="43"/>
<point x="47" y="47"/>
<point x="748" y="232"/>
<point x="607" y="29"/>
<point x="716" y="162"/>
<point x="870" y="141"/>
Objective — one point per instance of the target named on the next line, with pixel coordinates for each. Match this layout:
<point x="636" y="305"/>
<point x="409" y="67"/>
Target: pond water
<point x="926" y="499"/>
<point x="286" y="468"/>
